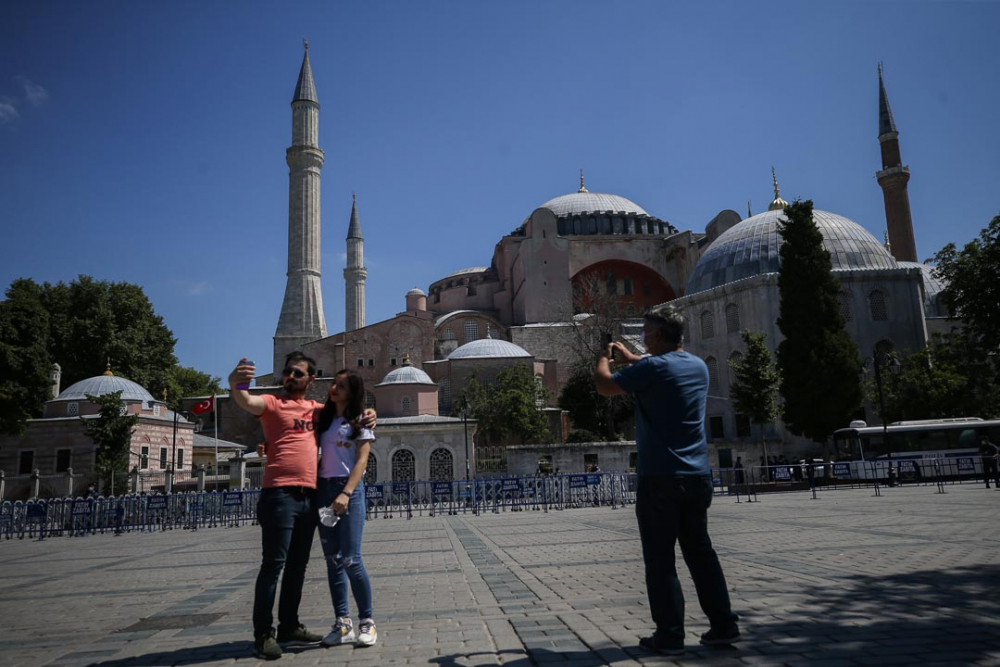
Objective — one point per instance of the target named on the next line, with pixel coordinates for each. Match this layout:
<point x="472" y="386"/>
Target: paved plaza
<point x="912" y="577"/>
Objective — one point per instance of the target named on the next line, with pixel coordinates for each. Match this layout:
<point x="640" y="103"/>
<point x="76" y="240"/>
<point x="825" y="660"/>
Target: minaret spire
<point x="893" y="179"/>
<point x="778" y="203"/>
<point x="583" y="188"/>
<point x="355" y="273"/>
<point x="302" y="319"/>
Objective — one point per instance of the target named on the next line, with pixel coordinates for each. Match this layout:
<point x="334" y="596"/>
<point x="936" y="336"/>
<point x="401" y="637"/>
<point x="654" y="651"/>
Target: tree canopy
<point x="604" y="417"/>
<point x="510" y="406"/>
<point x="972" y="284"/>
<point x="84" y="325"/>
<point x="755" y="388"/>
<point x="818" y="361"/>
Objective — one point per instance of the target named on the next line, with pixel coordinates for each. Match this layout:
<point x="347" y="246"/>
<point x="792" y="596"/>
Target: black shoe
<point x="663" y="648"/>
<point x="266" y="647"/>
<point x="721" y="637"/>
<point x="298" y="637"/>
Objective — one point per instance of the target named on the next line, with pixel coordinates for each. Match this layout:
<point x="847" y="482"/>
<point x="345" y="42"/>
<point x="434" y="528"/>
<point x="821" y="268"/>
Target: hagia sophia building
<point x="520" y="307"/>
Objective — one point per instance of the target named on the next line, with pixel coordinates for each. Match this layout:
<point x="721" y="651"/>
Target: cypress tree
<point x="818" y="361"/>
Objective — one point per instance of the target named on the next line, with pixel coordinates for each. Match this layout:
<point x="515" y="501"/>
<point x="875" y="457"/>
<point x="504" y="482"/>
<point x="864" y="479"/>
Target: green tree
<point x="972" y="285"/>
<point x="755" y="388"/>
<point x="509" y="407"/>
<point x="946" y="379"/>
<point x="112" y="432"/>
<point x="24" y="361"/>
<point x="605" y="417"/>
<point x="184" y="381"/>
<point x="93" y="321"/>
<point x="818" y="361"/>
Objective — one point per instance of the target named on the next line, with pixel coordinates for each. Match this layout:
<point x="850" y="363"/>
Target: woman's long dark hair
<point x="352" y="409"/>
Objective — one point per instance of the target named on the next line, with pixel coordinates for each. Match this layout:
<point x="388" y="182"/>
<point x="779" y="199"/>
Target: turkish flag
<point x="205" y="406"/>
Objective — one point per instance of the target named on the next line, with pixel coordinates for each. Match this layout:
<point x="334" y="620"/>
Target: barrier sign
<point x="842" y="469"/>
<point x="593" y="480"/>
<point x="510" y="485"/>
<point x="400" y="488"/>
<point x="375" y="492"/>
<point x="907" y="466"/>
<point x="442" y="489"/>
<point x="232" y="499"/>
<point x="156" y="503"/>
<point x="577" y="481"/>
<point x="783" y="473"/>
<point x="966" y="465"/>
<point x="35" y="511"/>
<point x="81" y="508"/>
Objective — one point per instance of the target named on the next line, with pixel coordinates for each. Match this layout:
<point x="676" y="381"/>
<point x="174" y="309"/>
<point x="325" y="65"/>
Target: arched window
<point x="732" y="318"/>
<point x="471" y="331"/>
<point x="403" y="466"/>
<point x="371" y="472"/>
<point x="442" y="466"/>
<point x="713" y="372"/>
<point x="444" y="395"/>
<point x="448" y="334"/>
<point x="369" y="399"/>
<point x="845" y="305"/>
<point x="876" y="303"/>
<point x="406" y="404"/>
<point x="707" y="325"/>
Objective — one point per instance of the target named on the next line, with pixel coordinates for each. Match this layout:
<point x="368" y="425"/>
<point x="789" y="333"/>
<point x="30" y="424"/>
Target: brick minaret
<point x="893" y="179"/>
<point x="301" y="317"/>
<point x="355" y="274"/>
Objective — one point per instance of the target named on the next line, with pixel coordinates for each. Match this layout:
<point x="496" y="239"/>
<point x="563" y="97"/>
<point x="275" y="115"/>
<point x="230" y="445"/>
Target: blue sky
<point x="145" y="142"/>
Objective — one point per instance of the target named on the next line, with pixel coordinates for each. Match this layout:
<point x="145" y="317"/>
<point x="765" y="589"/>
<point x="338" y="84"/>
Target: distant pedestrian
<point x="989" y="454"/>
<point x="738" y="470"/>
<point x="674" y="480"/>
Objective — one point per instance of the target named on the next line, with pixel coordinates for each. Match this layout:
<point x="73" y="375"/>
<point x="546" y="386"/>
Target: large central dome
<point x="578" y="203"/>
<point x="751" y="248"/>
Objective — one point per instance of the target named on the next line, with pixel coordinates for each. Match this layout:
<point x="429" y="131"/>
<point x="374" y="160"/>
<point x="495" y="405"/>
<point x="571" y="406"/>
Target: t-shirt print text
<point x="300" y="425"/>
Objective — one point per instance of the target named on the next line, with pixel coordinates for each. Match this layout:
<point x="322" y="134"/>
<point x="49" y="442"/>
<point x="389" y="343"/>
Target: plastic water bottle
<point x="328" y="517"/>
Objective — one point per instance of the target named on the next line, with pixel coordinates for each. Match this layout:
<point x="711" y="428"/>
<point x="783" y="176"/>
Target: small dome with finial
<point x="778" y="204"/>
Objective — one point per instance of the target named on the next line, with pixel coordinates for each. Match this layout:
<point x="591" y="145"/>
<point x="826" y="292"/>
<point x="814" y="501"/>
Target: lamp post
<point x="880" y="360"/>
<point x="465" y="426"/>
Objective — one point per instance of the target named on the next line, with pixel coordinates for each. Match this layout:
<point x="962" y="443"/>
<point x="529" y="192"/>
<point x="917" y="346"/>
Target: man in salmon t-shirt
<point x="285" y="510"/>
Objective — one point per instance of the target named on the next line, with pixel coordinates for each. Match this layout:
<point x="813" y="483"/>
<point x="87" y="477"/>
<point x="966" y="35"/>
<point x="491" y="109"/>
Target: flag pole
<point x="215" y="418"/>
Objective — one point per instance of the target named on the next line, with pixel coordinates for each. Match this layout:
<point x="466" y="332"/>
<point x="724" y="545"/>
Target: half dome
<point x="489" y="348"/>
<point x="751" y="248"/>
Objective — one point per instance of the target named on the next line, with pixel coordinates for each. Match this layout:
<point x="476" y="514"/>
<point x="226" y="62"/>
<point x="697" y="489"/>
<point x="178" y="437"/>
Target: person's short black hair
<point x="296" y="357"/>
<point x="669" y="322"/>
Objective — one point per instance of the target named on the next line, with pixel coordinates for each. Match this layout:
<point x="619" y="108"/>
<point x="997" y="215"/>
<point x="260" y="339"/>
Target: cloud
<point x="197" y="289"/>
<point x="8" y="112"/>
<point x="33" y="93"/>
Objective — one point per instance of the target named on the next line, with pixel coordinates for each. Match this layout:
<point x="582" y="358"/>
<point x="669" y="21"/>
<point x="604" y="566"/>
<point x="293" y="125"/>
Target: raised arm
<point x="242" y="375"/>
<point x="606" y="385"/>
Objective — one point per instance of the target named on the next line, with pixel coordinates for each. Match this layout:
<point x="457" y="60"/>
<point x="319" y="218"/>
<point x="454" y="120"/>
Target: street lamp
<point x="464" y="411"/>
<point x="879" y="361"/>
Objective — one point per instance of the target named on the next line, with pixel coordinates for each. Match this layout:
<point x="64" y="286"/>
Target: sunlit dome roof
<point x="105" y="384"/>
<point x="407" y="374"/>
<point x="591" y="202"/>
<point x="489" y="348"/>
<point x="751" y="248"/>
<point x="416" y="291"/>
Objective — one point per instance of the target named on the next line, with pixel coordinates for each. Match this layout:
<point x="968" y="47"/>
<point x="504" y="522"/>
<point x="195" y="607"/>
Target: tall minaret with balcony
<point x="893" y="179"/>
<point x="301" y="318"/>
<point x="355" y="274"/>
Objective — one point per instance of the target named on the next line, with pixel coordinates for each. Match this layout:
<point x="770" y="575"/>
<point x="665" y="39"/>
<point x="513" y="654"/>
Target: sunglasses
<point x="295" y="372"/>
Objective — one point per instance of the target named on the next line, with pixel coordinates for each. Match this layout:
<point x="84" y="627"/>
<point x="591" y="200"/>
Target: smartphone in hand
<point x="608" y="339"/>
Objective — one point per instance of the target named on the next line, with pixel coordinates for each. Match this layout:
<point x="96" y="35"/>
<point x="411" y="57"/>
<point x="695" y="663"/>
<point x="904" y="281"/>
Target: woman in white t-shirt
<point x="344" y="448"/>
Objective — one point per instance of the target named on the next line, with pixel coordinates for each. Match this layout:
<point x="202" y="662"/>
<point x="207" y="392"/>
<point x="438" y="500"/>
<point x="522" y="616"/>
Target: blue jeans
<point x="342" y="548"/>
<point x="674" y="509"/>
<point x="287" y="522"/>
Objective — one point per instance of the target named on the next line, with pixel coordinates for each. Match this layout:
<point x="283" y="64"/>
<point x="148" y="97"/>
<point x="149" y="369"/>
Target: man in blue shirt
<point x="674" y="481"/>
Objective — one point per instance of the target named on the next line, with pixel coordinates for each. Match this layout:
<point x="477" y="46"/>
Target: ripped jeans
<point x="342" y="548"/>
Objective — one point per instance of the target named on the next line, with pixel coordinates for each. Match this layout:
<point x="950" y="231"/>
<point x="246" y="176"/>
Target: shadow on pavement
<point x="197" y="655"/>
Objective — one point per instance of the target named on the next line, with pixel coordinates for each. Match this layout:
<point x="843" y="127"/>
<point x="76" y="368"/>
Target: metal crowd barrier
<point x="125" y="514"/>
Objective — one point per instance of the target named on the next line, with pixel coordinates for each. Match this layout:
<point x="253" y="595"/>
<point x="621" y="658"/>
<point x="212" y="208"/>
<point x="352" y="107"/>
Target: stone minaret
<point x="893" y="179"/>
<point x="301" y="317"/>
<point x="355" y="274"/>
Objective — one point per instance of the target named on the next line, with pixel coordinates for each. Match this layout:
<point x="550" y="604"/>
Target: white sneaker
<point x="367" y="633"/>
<point x="342" y="633"/>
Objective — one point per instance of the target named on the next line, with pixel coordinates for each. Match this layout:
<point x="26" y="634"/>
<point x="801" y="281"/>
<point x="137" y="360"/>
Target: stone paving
<point x="912" y="577"/>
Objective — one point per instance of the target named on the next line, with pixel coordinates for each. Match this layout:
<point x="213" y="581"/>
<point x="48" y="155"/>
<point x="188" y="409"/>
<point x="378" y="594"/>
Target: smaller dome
<point x="416" y="291"/>
<point x="105" y="384"/>
<point x="406" y="374"/>
<point x="489" y="348"/>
